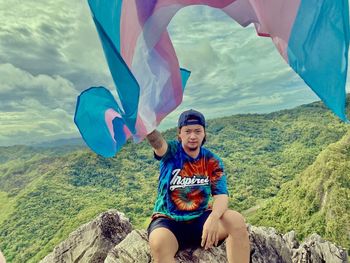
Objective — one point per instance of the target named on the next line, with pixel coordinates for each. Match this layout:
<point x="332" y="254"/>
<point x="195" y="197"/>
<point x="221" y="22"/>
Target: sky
<point x="50" y="52"/>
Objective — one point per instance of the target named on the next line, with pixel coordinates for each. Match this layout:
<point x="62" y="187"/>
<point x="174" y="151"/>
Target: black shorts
<point x="187" y="233"/>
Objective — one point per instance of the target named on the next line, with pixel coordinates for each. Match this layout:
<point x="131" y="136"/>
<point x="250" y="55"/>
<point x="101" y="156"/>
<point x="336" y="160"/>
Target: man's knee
<point x="156" y="246"/>
<point x="162" y="243"/>
<point x="234" y="221"/>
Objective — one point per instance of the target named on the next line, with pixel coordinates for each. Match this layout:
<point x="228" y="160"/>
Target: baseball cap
<point x="191" y="117"/>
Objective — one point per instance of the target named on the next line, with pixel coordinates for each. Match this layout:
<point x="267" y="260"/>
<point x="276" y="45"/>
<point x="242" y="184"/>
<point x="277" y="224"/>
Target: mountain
<point x="316" y="200"/>
<point x="24" y="152"/>
<point x="61" y="142"/>
<point x="47" y="192"/>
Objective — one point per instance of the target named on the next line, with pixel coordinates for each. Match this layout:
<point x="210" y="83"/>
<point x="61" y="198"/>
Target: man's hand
<point x="210" y="235"/>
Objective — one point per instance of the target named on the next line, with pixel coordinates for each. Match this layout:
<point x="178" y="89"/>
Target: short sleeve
<point x="172" y="147"/>
<point x="218" y="180"/>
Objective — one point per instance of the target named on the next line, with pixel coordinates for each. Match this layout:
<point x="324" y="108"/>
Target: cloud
<point x="35" y="108"/>
<point x="53" y="37"/>
<point x="36" y="32"/>
<point x="232" y="69"/>
<point x="50" y="52"/>
<point x="17" y="86"/>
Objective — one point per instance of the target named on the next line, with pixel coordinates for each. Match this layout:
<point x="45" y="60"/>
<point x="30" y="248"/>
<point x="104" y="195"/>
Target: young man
<point x="189" y="175"/>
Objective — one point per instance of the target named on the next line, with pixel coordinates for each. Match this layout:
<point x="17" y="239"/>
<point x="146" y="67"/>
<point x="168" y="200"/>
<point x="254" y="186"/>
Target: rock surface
<point x="109" y="239"/>
<point x="91" y="242"/>
<point x="267" y="246"/>
<point x="315" y="249"/>
<point x="135" y="248"/>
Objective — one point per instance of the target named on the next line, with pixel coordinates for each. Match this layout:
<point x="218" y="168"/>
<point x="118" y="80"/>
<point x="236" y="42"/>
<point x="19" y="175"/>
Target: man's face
<point x="191" y="136"/>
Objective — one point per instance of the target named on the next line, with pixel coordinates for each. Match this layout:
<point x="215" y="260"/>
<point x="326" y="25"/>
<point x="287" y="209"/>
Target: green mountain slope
<point x="23" y="152"/>
<point x="261" y="152"/>
<point x="64" y="193"/>
<point x="317" y="200"/>
<point x="46" y="193"/>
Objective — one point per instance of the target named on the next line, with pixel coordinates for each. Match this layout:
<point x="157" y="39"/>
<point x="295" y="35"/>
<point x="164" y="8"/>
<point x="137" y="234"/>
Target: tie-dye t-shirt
<point x="186" y="184"/>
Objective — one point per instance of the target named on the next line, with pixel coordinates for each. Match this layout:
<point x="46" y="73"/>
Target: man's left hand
<point x="210" y="235"/>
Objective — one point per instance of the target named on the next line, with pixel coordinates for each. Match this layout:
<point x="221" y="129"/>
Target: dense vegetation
<point x="46" y="193"/>
<point x="317" y="200"/>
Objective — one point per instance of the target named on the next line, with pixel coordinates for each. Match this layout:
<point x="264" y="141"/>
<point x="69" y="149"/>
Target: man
<point x="189" y="175"/>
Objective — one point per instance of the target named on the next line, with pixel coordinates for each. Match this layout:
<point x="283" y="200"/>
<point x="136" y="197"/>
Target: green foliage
<point x="317" y="200"/>
<point x="46" y="193"/>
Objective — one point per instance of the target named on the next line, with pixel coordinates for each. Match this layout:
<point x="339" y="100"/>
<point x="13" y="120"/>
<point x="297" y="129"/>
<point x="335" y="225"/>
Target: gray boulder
<point x="91" y="242"/>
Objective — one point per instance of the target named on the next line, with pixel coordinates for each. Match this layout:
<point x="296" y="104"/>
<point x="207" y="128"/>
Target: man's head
<point x="191" y="129"/>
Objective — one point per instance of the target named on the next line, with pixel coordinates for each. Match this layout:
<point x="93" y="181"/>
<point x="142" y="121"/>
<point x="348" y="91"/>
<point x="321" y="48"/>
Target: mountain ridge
<point x="46" y="193"/>
<point x="325" y="188"/>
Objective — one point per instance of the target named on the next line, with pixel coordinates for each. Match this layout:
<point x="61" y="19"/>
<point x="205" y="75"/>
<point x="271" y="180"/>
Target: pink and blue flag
<point x="311" y="35"/>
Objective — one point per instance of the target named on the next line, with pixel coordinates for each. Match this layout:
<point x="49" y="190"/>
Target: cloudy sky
<point x="50" y="52"/>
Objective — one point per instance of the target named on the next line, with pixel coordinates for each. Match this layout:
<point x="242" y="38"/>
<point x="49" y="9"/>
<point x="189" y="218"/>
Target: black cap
<point x="191" y="117"/>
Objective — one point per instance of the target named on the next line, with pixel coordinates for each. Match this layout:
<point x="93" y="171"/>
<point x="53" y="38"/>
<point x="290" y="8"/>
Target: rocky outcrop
<point x="315" y="249"/>
<point x="92" y="241"/>
<point x="267" y="246"/>
<point x="135" y="248"/>
<point x="108" y="239"/>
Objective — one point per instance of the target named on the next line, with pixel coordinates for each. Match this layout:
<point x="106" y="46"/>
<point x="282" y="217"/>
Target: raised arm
<point x="158" y="143"/>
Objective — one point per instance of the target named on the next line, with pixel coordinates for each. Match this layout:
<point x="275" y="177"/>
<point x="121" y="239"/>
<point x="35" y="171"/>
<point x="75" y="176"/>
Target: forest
<point x="288" y="169"/>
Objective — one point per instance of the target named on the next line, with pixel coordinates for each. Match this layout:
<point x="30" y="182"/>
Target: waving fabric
<point x="311" y="35"/>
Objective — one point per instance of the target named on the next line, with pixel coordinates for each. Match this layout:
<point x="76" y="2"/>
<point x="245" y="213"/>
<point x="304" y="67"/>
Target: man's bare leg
<point x="237" y="242"/>
<point x="163" y="244"/>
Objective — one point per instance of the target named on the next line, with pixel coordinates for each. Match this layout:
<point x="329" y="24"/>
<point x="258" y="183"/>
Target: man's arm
<point x="220" y="205"/>
<point x="158" y="143"/>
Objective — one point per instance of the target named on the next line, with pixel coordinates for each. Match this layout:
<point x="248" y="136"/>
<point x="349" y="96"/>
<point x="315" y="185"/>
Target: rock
<point x="92" y="241"/>
<point x="109" y="239"/>
<point x="315" y="249"/>
<point x="135" y="248"/>
<point x="267" y="246"/>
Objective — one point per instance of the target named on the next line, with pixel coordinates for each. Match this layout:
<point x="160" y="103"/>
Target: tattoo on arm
<point x="156" y="139"/>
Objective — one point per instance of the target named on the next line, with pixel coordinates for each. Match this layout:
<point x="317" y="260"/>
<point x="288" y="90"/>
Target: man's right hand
<point x="158" y="143"/>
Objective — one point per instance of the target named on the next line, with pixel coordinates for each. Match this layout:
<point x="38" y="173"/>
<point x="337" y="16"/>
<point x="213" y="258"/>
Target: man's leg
<point x="233" y="224"/>
<point x="163" y="244"/>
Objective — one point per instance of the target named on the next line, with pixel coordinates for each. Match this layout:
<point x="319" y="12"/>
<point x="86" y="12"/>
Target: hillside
<point x="46" y="193"/>
<point x="23" y="152"/>
<point x="317" y="200"/>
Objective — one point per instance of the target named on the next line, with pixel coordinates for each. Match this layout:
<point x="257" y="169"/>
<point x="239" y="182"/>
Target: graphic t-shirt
<point x="186" y="184"/>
